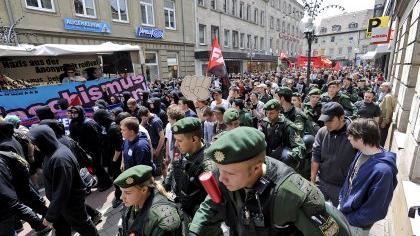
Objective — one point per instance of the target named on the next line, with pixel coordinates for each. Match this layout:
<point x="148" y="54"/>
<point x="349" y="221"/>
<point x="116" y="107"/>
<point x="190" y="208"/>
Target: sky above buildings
<point x="349" y="5"/>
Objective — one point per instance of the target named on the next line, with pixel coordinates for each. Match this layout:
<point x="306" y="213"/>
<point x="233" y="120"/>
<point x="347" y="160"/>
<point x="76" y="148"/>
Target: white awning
<point x="64" y="49"/>
<point x="368" y="56"/>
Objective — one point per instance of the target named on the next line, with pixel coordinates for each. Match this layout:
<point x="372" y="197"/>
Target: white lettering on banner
<point x="217" y="54"/>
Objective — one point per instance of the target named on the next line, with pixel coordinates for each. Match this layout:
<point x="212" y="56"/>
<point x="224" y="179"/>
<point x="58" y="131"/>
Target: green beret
<point x="335" y="82"/>
<point x="273" y="104"/>
<point x="284" y="91"/>
<point x="230" y="115"/>
<point x="186" y="125"/>
<point x="237" y="145"/>
<point x="315" y="91"/>
<point x="134" y="176"/>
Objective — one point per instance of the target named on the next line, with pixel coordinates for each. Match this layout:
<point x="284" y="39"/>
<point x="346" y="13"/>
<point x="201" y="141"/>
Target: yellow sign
<point x="377" y="22"/>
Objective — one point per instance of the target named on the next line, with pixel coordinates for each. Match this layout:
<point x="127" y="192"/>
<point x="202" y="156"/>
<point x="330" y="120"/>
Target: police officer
<point x="183" y="176"/>
<point x="148" y="211"/>
<point x="231" y="118"/>
<point x="283" y="140"/>
<point x="349" y="90"/>
<point x="313" y="107"/>
<point x="292" y="113"/>
<point x="333" y="95"/>
<point x="262" y="196"/>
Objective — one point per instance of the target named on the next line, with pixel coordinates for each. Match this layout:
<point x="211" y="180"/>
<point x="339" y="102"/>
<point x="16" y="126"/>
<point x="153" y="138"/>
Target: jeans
<point x="331" y="192"/>
<point x="74" y="216"/>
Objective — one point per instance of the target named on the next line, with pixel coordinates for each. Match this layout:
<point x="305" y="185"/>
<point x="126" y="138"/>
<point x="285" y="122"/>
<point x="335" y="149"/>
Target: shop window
<point x="41" y="5"/>
<point x="256" y="15"/>
<point x="147" y="12"/>
<point x="235" y="39"/>
<point x="85" y="8"/>
<point x="152" y="66"/>
<point x="226" y="38"/>
<point x="119" y="10"/>
<point x="169" y="9"/>
<point x="173" y="64"/>
<point x="241" y="41"/>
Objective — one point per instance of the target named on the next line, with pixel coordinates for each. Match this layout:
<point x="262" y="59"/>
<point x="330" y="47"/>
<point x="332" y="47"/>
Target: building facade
<point x="251" y="33"/>
<point x="343" y="37"/>
<point x="404" y="68"/>
<point x="161" y="27"/>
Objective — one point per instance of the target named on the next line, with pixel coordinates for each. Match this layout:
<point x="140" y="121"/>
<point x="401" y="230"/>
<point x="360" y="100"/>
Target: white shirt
<point x="224" y="103"/>
<point x="168" y="136"/>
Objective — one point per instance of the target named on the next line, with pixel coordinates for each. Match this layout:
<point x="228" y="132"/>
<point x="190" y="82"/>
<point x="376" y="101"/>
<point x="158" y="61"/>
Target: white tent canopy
<point x="64" y="49"/>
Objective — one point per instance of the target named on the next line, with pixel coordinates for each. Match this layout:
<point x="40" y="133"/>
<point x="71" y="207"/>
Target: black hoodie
<point x="44" y="112"/>
<point x="7" y="141"/>
<point x="64" y="187"/>
<point x="157" y="109"/>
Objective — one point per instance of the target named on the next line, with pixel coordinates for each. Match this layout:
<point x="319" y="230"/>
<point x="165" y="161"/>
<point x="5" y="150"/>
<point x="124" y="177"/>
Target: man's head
<point x="239" y="155"/>
<point x="238" y="104"/>
<point x="332" y="114"/>
<point x="129" y="128"/>
<point x="254" y="98"/>
<point x="136" y="184"/>
<point x="369" y="96"/>
<point x="314" y="95"/>
<point x="218" y="112"/>
<point x="231" y="118"/>
<point x="285" y="95"/>
<point x="297" y="100"/>
<point x="217" y="94"/>
<point x="143" y="114"/>
<point x="132" y="104"/>
<point x="347" y="81"/>
<point x="183" y="104"/>
<point x="333" y="88"/>
<point x="385" y="87"/>
<point x="187" y="133"/>
<point x="364" y="132"/>
<point x="272" y="108"/>
<point x="234" y="92"/>
<point x="174" y="113"/>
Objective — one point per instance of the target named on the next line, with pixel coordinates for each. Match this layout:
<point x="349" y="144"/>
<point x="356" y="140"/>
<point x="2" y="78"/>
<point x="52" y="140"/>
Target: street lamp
<point x="307" y="27"/>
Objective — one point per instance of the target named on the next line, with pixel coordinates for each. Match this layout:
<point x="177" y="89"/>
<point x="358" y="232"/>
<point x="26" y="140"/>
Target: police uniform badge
<point x="219" y="156"/>
<point x="272" y="106"/>
<point x="129" y="180"/>
<point x="175" y="128"/>
<point x="330" y="227"/>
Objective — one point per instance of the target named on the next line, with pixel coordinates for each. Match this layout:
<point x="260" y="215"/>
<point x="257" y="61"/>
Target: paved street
<point x="109" y="224"/>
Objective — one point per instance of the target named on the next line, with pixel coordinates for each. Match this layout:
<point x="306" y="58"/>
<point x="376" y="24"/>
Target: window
<point x="353" y="25"/>
<point x="289" y="9"/>
<point x="202" y="34"/>
<point x="152" y="66"/>
<point x="316" y="40"/>
<point x="340" y="51"/>
<point x="277" y="44"/>
<point x="271" y="44"/>
<point x="349" y="50"/>
<point x="284" y="6"/>
<point x="235" y="39"/>
<point x="323" y="30"/>
<point x="288" y="28"/>
<point x="241" y="40"/>
<point x="248" y="12"/>
<point x="215" y="32"/>
<point x="172" y="60"/>
<point x="272" y="3"/>
<point x="262" y="18"/>
<point x="278" y="25"/>
<point x="85" y="8"/>
<point x="226" y="38"/>
<point x="315" y="52"/>
<point x="256" y="42"/>
<point x="364" y="49"/>
<point x="234" y="2"/>
<point x="256" y="15"/>
<point x="283" y="27"/>
<point x="279" y="4"/>
<point x="241" y="10"/>
<point x="293" y="30"/>
<point x="271" y="22"/>
<point x="213" y="4"/>
<point x="200" y="2"/>
<point x="225" y="6"/>
<point x="248" y="41"/>
<point x="330" y="51"/>
<point x="147" y="15"/>
<point x="42" y="5"/>
<point x="332" y="39"/>
<point x="336" y="28"/>
<point x="169" y="9"/>
<point x="119" y="10"/>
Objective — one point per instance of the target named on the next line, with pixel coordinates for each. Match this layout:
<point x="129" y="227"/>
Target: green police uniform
<point x="344" y="100"/>
<point x="183" y="176"/>
<point x="313" y="113"/>
<point x="157" y="217"/>
<point x="230" y="115"/>
<point x="281" y="202"/>
<point x="282" y="135"/>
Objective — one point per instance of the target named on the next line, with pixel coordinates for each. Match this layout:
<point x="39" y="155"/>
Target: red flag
<point x="283" y="56"/>
<point x="216" y="65"/>
<point x="337" y="66"/>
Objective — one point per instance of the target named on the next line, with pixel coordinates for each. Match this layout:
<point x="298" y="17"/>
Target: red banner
<point x="316" y="62"/>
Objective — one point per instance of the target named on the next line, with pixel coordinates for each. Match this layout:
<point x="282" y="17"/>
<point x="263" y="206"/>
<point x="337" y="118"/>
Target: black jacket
<point x="7" y="141"/>
<point x="8" y="196"/>
<point x="63" y="184"/>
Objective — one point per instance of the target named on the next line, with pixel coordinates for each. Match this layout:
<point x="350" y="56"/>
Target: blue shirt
<point x="137" y="152"/>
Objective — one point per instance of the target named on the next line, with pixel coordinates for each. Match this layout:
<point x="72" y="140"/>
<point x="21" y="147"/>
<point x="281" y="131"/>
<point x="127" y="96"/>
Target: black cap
<point x="330" y="110"/>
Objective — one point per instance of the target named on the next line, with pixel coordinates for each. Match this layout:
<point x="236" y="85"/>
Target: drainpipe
<point x="9" y="12"/>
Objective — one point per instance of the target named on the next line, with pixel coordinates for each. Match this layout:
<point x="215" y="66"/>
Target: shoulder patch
<point x="330" y="227"/>
<point x="168" y="217"/>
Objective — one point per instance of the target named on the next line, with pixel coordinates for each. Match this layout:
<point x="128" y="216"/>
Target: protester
<point x="387" y="106"/>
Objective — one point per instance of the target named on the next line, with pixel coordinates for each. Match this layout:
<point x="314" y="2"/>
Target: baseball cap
<point x="330" y="110"/>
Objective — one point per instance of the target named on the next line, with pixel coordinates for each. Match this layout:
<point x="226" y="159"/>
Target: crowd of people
<point x="290" y="156"/>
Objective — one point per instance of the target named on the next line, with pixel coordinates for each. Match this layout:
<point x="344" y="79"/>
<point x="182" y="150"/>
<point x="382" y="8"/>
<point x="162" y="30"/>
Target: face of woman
<point x="134" y="196"/>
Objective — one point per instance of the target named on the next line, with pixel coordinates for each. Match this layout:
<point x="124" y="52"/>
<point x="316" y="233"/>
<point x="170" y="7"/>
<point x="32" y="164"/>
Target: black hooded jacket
<point x="157" y="109"/>
<point x="7" y="141"/>
<point x="44" y="112"/>
<point x="87" y="133"/>
<point x="63" y="185"/>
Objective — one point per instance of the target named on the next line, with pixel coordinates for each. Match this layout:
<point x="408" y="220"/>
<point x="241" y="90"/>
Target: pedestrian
<point x="183" y="177"/>
<point x="367" y="108"/>
<point x="64" y="187"/>
<point x="218" y="100"/>
<point x="387" y="106"/>
<point x="172" y="152"/>
<point x="148" y="211"/>
<point x="334" y="95"/>
<point x="371" y="180"/>
<point x="261" y="195"/>
<point x="332" y="152"/>
<point x="313" y="107"/>
<point x="244" y="116"/>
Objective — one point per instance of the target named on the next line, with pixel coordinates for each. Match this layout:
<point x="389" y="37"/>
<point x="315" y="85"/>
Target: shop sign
<point x="378" y="29"/>
<point x="86" y="26"/>
<point x="149" y="32"/>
